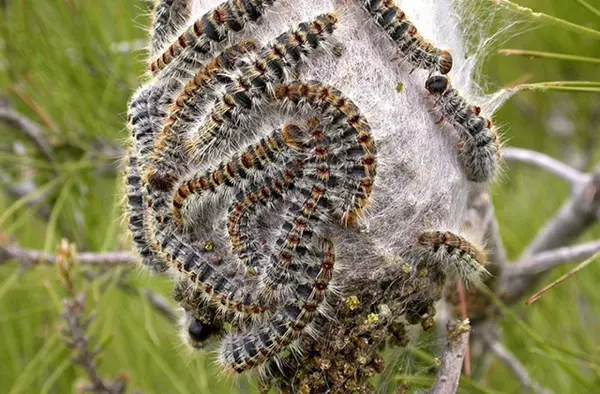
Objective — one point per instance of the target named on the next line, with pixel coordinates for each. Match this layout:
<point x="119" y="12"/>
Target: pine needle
<point x="566" y="276"/>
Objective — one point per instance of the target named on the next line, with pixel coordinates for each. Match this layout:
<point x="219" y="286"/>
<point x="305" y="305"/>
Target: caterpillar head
<point x="436" y="84"/>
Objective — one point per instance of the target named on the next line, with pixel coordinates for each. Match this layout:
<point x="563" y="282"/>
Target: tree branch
<point x="161" y="305"/>
<point x="515" y="366"/>
<point x="448" y="375"/>
<point x="27" y="127"/>
<point x="573" y="219"/>
<point x="481" y="216"/>
<point x="25" y="188"/>
<point x="33" y="257"/>
<point x="545" y="261"/>
<point x="545" y="162"/>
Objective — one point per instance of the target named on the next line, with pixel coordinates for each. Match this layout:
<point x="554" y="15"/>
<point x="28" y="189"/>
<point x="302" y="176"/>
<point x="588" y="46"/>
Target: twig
<point x="545" y="261"/>
<point x="76" y="338"/>
<point x="546" y="162"/>
<point x="448" y="375"/>
<point x="566" y="276"/>
<point x="28" y="127"/>
<point x="575" y="216"/>
<point x="33" y="257"/>
<point x="76" y="325"/>
<point x="547" y="19"/>
<point x="549" y="55"/>
<point x="514" y="365"/>
<point x="464" y="314"/>
<point x="23" y="189"/>
<point x="159" y="303"/>
<point x="481" y="216"/>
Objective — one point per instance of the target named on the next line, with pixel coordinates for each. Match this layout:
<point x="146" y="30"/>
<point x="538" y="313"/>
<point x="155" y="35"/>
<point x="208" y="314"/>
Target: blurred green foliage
<point x="60" y="67"/>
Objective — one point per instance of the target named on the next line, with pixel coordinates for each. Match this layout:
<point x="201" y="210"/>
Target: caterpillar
<point x="479" y="149"/>
<point x="201" y="321"/>
<point x="453" y="255"/>
<point x="167" y="16"/>
<point x="213" y="27"/>
<point x="242" y="351"/>
<point x="415" y="49"/>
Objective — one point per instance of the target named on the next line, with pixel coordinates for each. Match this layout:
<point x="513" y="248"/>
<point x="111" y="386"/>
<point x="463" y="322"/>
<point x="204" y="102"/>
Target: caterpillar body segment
<point x="145" y="117"/>
<point x="479" y="148"/>
<point x="199" y="40"/>
<point x="254" y="203"/>
<point x="168" y="160"/>
<point x="255" y="86"/>
<point x="295" y="244"/>
<point x="138" y="218"/>
<point x="454" y="255"/>
<point x="344" y="114"/>
<point x="415" y="49"/>
<point x="167" y="17"/>
<point x="144" y="120"/>
<point x="245" y="167"/>
<point x="242" y="351"/>
<point x="480" y="155"/>
<point x="209" y="274"/>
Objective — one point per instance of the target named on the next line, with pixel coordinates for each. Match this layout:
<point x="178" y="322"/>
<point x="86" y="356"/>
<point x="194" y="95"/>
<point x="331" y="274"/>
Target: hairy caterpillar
<point x="242" y="351"/>
<point x="479" y="149"/>
<point x="137" y="220"/>
<point x="201" y="321"/>
<point x="213" y="27"/>
<point x="270" y="67"/>
<point x="453" y="254"/>
<point x="167" y="15"/>
<point x="416" y="50"/>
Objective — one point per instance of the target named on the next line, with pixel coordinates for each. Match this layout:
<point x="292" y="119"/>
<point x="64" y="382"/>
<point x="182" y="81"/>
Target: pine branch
<point x="449" y="373"/>
<point x="551" y="165"/>
<point x="577" y="214"/>
<point x="545" y="261"/>
<point x="27" y="127"/>
<point x="29" y="257"/>
<point x="75" y="331"/>
<point x="515" y="366"/>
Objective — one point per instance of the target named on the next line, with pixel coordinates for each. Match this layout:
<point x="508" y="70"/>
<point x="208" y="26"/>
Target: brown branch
<point x="545" y="162"/>
<point x="545" y="261"/>
<point x="448" y="375"/>
<point x="107" y="259"/>
<point x="33" y="257"/>
<point x="76" y="325"/>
